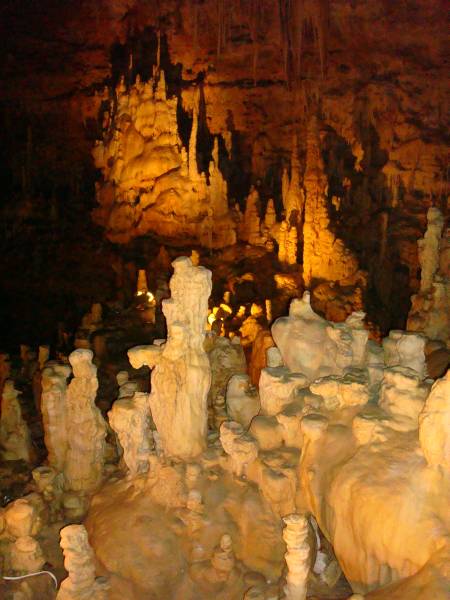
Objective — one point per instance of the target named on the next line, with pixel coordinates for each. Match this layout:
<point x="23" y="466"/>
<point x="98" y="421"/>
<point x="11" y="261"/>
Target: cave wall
<point x="373" y="70"/>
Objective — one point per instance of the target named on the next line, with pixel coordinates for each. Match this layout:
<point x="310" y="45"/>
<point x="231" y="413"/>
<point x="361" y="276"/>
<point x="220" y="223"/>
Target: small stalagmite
<point x="295" y="534"/>
<point x="15" y="439"/>
<point x="130" y="420"/>
<point x="81" y="583"/>
<point x="54" y="409"/>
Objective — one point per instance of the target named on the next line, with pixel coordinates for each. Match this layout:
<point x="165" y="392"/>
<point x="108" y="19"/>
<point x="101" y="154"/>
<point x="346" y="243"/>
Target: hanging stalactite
<point x="296" y="18"/>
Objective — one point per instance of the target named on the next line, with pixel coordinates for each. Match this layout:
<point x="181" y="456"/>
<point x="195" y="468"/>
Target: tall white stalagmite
<point x="181" y="373"/>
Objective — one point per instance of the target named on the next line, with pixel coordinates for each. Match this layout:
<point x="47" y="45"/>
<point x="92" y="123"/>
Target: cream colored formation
<point x="151" y="183"/>
<point x="430" y="306"/>
<point x="337" y="462"/>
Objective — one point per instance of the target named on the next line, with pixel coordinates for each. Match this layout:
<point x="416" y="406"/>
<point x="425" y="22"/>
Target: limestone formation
<point x="5" y="369"/>
<point x="312" y="346"/>
<point x="241" y="447"/>
<point x="43" y="356"/>
<point x="242" y="400"/>
<point x="54" y="411"/>
<point x="325" y="256"/>
<point x="405" y="349"/>
<point x="181" y="373"/>
<point x="292" y="192"/>
<point x="226" y="359"/>
<point x="15" y="439"/>
<point x="86" y="428"/>
<point x="251" y="225"/>
<point x="434" y="425"/>
<point x="22" y="524"/>
<point x="295" y="534"/>
<point x="429" y="248"/>
<point x="150" y="182"/>
<point x="342" y="392"/>
<point x="142" y="285"/>
<point x="429" y="312"/>
<point x="277" y="388"/>
<point x="403" y="396"/>
<point x="130" y="419"/>
<point x="81" y="583"/>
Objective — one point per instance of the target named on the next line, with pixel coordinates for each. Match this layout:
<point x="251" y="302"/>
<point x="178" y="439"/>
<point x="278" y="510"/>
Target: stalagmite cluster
<point x="151" y="183"/>
<point x="344" y="442"/>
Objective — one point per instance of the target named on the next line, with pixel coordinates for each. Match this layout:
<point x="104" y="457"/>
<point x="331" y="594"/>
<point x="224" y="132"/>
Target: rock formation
<point x="150" y="183"/>
<point x="312" y="346"/>
<point x="86" y="428"/>
<point x="81" y="583"/>
<point x="325" y="256"/>
<point x="54" y="412"/>
<point x="297" y="557"/>
<point x="15" y="439"/>
<point x="181" y="373"/>
<point x="130" y="419"/>
<point x="24" y="554"/>
<point x="429" y="312"/>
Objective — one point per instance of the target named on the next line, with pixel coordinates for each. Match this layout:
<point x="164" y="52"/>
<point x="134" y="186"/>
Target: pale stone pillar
<point x="86" y="428"/>
<point x="295" y="534"/>
<point x="181" y="372"/>
<point x="54" y="408"/>
<point x="81" y="583"/>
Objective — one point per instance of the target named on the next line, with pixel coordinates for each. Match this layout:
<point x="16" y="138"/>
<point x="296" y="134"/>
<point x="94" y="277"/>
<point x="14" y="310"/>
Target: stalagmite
<point x="15" y="439"/>
<point x="429" y="311"/>
<point x="282" y="239"/>
<point x="130" y="419"/>
<point x="434" y="425"/>
<point x="270" y="217"/>
<point x="22" y="524"/>
<point x="86" y="428"/>
<point x="142" y="285"/>
<point x="405" y="349"/>
<point x="324" y="255"/>
<point x="314" y="347"/>
<point x="291" y="246"/>
<point x="429" y="248"/>
<point x="181" y="373"/>
<point x="54" y="411"/>
<point x="43" y="356"/>
<point x="293" y="196"/>
<point x="242" y="400"/>
<point x="240" y="446"/>
<point x="81" y="583"/>
<point x="251" y="226"/>
<point x="295" y="534"/>
<point x="218" y="189"/>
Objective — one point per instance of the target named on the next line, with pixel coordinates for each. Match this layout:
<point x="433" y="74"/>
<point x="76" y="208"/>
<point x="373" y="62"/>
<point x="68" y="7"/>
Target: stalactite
<point x="295" y="17"/>
<point x="193" y="168"/>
